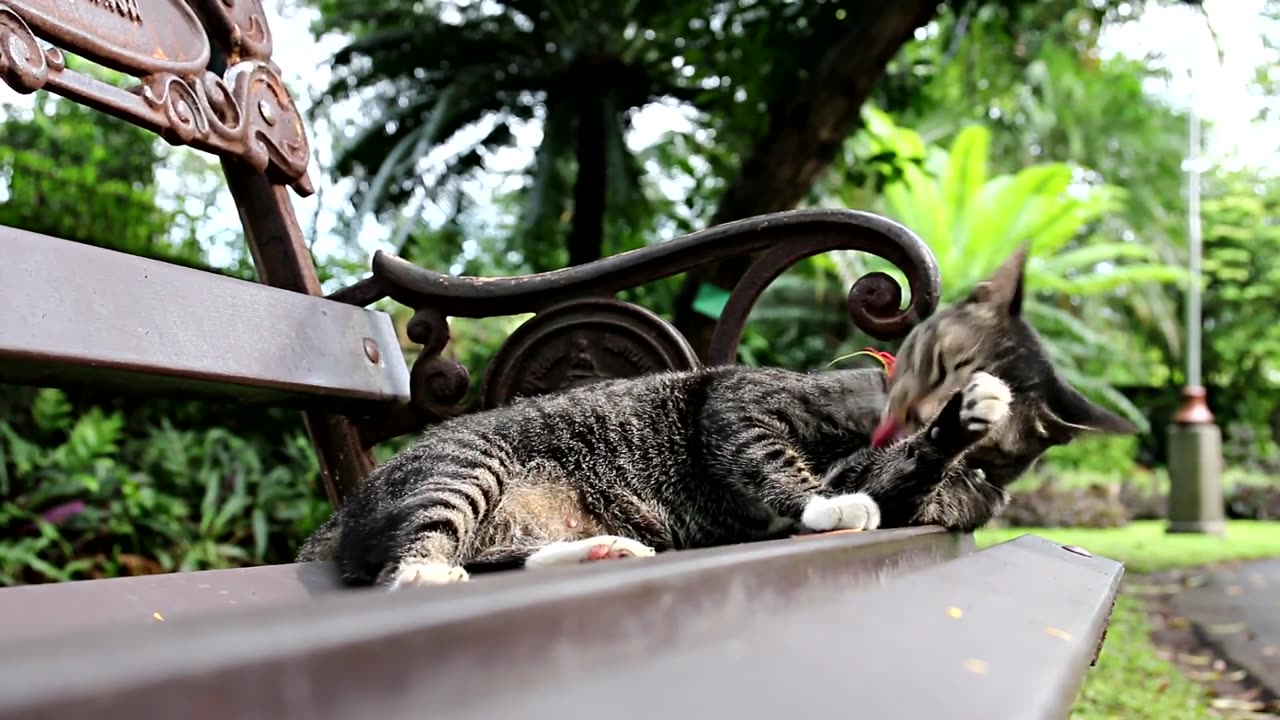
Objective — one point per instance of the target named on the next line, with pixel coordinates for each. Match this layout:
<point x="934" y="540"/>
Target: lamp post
<point x="1195" y="441"/>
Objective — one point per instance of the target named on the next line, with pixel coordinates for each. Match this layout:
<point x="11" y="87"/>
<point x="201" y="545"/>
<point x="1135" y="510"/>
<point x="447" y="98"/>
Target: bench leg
<point x="283" y="260"/>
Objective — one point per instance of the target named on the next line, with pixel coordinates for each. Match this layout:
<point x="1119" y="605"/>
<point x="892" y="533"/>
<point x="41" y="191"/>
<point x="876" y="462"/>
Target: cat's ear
<point x="1003" y="290"/>
<point x="1078" y="414"/>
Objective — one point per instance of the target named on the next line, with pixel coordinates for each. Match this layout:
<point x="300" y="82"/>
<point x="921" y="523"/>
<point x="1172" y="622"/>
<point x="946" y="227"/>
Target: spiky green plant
<point x="973" y="220"/>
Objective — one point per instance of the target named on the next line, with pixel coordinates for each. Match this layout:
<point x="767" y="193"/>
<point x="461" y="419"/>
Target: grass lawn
<point x="1131" y="682"/>
<point x="1143" y="546"/>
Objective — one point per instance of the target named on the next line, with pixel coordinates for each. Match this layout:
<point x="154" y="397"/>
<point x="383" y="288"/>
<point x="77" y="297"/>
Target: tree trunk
<point x="805" y="133"/>
<point x="586" y="234"/>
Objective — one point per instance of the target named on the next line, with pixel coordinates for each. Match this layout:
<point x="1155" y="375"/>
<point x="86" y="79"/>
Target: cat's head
<point x="987" y="332"/>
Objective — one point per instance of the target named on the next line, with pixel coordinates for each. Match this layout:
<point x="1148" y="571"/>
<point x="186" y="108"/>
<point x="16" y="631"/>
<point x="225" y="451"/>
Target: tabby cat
<point x="721" y="455"/>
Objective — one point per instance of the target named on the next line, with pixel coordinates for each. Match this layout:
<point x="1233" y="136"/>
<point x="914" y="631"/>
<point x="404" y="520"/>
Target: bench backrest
<point x="75" y="314"/>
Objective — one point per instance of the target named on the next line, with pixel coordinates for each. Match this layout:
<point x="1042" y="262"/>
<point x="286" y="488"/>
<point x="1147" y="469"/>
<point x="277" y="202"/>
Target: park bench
<point x="908" y="623"/>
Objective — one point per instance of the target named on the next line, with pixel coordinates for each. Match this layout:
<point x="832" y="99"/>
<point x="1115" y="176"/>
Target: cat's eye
<point x="940" y="369"/>
<point x="939" y="373"/>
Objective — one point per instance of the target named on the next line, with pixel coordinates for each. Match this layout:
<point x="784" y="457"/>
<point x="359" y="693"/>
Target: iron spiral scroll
<point x="580" y="333"/>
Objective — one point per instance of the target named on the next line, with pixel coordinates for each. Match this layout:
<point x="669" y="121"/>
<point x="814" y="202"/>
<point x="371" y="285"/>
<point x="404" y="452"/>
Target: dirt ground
<point x="1192" y="643"/>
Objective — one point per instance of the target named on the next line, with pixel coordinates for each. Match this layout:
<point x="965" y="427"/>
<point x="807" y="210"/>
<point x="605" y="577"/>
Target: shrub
<point x="1249" y="450"/>
<point x="83" y="496"/>
<point x="1113" y="456"/>
<point x="1254" y="501"/>
<point x="1052" y="499"/>
<point x="1145" y="496"/>
<point x="1050" y="504"/>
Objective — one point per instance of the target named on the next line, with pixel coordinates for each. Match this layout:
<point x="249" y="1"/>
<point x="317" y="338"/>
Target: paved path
<point x="1238" y="611"/>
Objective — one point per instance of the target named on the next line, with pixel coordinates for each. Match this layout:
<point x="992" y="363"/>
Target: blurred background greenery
<point x="513" y="136"/>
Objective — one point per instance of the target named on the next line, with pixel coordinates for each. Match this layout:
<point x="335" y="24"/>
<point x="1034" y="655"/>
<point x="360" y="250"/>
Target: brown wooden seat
<point x="75" y="312"/>
<point x="828" y="612"/>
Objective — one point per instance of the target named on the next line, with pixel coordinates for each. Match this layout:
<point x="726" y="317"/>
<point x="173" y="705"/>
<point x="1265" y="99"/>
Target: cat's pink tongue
<point x="885" y="433"/>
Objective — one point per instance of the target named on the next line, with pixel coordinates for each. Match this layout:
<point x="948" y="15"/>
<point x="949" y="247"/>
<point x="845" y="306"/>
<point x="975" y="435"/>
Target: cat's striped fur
<point x="720" y="455"/>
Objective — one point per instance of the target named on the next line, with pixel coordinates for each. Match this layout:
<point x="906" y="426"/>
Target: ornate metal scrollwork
<point x="24" y="65"/>
<point x="580" y="342"/>
<point x="579" y="333"/>
<point x="247" y="113"/>
<point x="437" y="384"/>
<point x="250" y="109"/>
<point x="239" y="26"/>
<point x="136" y="37"/>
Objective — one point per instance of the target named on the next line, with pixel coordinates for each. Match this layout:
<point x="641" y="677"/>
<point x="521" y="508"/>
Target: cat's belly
<point x="540" y="513"/>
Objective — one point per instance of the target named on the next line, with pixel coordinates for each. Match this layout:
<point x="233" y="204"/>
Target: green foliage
<point x="1048" y="95"/>
<point x="1103" y="493"/>
<point x="444" y="87"/>
<point x="1106" y="455"/>
<point x="1144" y="546"/>
<point x="469" y="76"/>
<point x="95" y="486"/>
<point x="78" y="174"/>
<point x="1133" y="679"/>
<point x="973" y="220"/>
<point x="82" y="495"/>
<point x="1242" y="280"/>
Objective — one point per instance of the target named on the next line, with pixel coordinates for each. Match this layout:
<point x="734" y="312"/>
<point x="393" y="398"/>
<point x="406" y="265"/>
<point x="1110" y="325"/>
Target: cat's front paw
<point x="600" y="547"/>
<point x="842" y="512"/>
<point x="985" y="403"/>
<point x="411" y="573"/>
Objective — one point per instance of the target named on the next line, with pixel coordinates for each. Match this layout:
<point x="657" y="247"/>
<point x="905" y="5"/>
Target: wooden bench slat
<point x="33" y="611"/>
<point x="790" y="628"/>
<point x="36" y="611"/>
<point x="80" y="314"/>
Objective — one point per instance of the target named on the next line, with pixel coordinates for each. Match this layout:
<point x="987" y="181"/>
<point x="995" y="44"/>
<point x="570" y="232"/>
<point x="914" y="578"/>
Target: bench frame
<point x="1003" y="632"/>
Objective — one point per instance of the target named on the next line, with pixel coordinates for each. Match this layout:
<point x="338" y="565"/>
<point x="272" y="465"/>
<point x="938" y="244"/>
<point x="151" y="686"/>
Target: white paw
<point x="986" y="402"/>
<point x="418" y="574"/>
<point x="600" y="547"/>
<point x="842" y="512"/>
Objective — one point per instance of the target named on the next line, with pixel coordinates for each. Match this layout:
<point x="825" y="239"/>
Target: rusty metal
<point x="1194" y="409"/>
<point x="582" y="342"/>
<point x="454" y="296"/>
<point x="238" y="27"/>
<point x="165" y="46"/>
<point x="283" y="260"/>
<point x="122" y="35"/>
<point x="205" y="79"/>
<point x="874" y="621"/>
<point x="580" y="332"/>
<point x="874" y="300"/>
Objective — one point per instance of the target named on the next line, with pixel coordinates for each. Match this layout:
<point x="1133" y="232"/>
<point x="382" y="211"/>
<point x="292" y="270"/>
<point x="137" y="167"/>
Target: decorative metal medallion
<point x="582" y="342"/>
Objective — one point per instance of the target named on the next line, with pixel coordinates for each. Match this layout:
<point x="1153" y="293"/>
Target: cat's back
<point x="601" y="419"/>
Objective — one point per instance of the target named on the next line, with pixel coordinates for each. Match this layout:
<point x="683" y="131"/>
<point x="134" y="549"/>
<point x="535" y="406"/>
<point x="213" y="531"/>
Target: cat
<point x="712" y="456"/>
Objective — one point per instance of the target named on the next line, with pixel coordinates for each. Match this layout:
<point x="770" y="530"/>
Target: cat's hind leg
<point x="431" y="559"/>
<point x="433" y="533"/>
<point x="600" y="547"/>
<point x="418" y="574"/>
